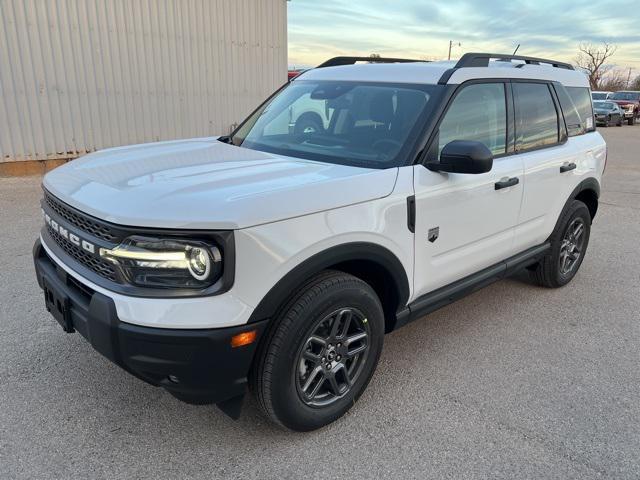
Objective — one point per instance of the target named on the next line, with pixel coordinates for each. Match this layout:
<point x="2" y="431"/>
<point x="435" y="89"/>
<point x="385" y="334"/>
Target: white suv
<point x="277" y="258"/>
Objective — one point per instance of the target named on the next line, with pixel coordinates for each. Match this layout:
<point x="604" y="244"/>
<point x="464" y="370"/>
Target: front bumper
<point x="196" y="365"/>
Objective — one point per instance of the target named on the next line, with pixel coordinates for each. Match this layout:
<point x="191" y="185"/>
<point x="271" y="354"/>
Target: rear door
<point x="550" y="160"/>
<point x="463" y="223"/>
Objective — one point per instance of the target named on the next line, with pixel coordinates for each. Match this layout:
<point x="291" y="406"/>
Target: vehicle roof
<point x="431" y="72"/>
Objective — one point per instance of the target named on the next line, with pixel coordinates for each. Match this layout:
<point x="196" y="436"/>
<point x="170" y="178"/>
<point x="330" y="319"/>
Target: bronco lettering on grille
<point x="65" y="233"/>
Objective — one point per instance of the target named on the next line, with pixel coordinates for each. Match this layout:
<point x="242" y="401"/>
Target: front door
<point x="464" y="223"/>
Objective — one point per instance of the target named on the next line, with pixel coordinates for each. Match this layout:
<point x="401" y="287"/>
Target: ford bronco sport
<point x="276" y="258"/>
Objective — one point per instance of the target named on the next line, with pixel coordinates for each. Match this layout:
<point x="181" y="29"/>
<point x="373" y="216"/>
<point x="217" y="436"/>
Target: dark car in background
<point x="608" y="113"/>
<point x="599" y="95"/>
<point x="629" y="102"/>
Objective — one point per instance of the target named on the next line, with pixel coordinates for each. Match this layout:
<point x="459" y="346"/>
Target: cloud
<point x="423" y="28"/>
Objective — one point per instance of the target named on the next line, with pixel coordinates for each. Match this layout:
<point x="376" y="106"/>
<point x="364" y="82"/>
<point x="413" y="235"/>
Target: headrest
<point x="381" y="109"/>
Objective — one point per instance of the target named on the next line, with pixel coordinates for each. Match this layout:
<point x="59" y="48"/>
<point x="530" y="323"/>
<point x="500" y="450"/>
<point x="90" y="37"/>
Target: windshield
<point x="599" y="96"/>
<point x="604" y="105"/>
<point x="631" y="96"/>
<point x="361" y="124"/>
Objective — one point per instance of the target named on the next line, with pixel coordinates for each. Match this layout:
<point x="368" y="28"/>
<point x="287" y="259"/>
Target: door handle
<point x="507" y="183"/>
<point x="568" y="167"/>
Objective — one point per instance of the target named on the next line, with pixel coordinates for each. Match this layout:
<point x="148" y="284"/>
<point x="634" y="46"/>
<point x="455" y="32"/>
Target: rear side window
<point x="582" y="100"/>
<point x="575" y="125"/>
<point x="536" y="116"/>
<point x="477" y="113"/>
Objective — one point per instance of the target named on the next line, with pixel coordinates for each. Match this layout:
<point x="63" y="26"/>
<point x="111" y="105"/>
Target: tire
<point x="619" y="124"/>
<point x="283" y="366"/>
<point x="631" y="121"/>
<point x="550" y="271"/>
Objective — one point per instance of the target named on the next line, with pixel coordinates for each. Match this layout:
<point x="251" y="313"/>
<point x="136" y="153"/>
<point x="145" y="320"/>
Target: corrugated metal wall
<point x="81" y="75"/>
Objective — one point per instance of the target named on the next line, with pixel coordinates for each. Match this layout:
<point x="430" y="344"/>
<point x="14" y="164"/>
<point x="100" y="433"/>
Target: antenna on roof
<point x="514" y="52"/>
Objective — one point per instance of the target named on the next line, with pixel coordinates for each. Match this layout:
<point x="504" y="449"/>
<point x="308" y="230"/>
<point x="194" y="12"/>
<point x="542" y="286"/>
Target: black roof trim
<point x="339" y="61"/>
<point x="482" y="60"/>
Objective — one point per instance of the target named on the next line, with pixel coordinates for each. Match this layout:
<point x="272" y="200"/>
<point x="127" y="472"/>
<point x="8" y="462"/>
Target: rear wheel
<point x="569" y="244"/>
<point x="631" y="120"/>
<point x="320" y="352"/>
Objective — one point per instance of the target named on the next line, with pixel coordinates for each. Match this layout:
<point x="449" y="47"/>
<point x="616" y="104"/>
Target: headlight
<point x="166" y="263"/>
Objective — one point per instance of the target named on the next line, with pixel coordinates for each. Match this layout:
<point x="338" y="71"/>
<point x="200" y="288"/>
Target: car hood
<point x="207" y="184"/>
<point x="602" y="110"/>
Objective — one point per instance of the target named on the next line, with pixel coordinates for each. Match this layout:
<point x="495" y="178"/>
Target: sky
<point x="421" y="29"/>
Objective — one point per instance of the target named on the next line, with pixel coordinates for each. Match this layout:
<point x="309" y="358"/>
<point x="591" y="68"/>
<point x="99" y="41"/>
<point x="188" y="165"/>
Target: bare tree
<point x="592" y="58"/>
<point x="635" y="84"/>
<point x="613" y="81"/>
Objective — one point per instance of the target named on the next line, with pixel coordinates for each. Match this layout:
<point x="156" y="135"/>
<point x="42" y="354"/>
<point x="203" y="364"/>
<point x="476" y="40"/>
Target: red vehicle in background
<point x="291" y="74"/>
<point x="629" y="102"/>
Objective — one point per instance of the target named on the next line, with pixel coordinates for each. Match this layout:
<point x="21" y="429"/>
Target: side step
<point x="450" y="293"/>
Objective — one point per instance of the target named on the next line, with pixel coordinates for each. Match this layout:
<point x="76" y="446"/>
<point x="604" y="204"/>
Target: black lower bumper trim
<point x="198" y="365"/>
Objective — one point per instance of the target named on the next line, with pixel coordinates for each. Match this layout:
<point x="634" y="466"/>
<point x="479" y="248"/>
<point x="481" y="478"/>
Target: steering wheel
<point x="378" y="144"/>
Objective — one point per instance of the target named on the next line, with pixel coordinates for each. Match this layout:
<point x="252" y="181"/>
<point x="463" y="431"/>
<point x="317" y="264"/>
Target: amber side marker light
<point x="244" y="338"/>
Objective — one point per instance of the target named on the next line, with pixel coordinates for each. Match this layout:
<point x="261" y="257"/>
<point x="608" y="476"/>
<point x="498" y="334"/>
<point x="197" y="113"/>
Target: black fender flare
<point x="587" y="184"/>
<point x="355" y="251"/>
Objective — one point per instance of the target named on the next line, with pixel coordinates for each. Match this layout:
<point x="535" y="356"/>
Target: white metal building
<point x="81" y="75"/>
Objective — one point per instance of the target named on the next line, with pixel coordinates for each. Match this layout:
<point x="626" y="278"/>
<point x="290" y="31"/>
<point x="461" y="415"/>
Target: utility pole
<point x="458" y="44"/>
<point x="629" y="79"/>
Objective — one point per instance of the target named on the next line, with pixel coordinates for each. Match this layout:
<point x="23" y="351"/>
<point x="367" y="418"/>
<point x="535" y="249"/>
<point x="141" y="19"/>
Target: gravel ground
<point x="514" y="381"/>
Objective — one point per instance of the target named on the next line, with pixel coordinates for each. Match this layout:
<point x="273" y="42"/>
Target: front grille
<point x="80" y="221"/>
<point x="101" y="267"/>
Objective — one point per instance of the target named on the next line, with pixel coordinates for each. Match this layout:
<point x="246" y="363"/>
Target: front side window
<point x="599" y="96"/>
<point x="536" y="116"/>
<point x="582" y="101"/>
<point x="477" y="113"/>
<point x="366" y="125"/>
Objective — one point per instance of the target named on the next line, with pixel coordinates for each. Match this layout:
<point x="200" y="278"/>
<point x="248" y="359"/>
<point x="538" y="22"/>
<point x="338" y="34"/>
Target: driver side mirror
<point x="463" y="156"/>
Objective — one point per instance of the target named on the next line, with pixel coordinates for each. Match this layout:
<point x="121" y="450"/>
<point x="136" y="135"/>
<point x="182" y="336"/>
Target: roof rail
<point x="339" y="61"/>
<point x="482" y="60"/>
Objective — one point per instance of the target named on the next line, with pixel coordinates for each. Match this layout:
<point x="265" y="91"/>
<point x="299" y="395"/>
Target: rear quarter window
<point x="581" y="98"/>
<point x="572" y="117"/>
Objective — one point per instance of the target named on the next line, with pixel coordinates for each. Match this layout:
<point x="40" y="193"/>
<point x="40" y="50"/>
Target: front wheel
<point x="569" y="243"/>
<point x="320" y="353"/>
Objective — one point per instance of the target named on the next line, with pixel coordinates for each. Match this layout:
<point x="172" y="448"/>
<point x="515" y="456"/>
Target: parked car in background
<point x="629" y="102"/>
<point x="608" y="113"/>
<point x="291" y="74"/>
<point x="601" y="95"/>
